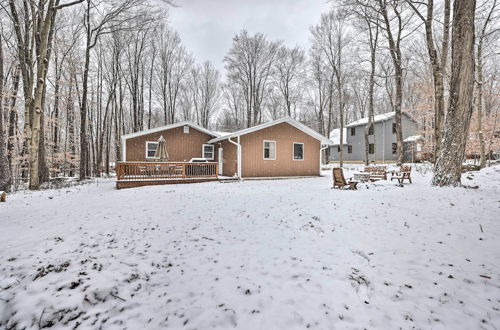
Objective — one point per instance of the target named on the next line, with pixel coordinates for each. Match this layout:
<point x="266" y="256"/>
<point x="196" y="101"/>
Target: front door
<point x="221" y="160"/>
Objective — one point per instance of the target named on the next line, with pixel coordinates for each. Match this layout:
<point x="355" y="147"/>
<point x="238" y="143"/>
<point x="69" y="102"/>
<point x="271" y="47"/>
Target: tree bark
<point x="5" y="176"/>
<point x="395" y="51"/>
<point x="448" y="168"/>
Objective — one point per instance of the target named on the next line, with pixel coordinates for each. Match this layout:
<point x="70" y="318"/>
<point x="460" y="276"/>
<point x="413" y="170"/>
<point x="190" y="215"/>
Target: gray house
<point x="382" y="140"/>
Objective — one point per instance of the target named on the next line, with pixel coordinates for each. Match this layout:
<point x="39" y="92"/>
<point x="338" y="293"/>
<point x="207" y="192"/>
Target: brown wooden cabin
<point x="281" y="148"/>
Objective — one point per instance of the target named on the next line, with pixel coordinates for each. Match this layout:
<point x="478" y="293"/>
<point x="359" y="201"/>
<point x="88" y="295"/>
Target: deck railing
<point x="138" y="171"/>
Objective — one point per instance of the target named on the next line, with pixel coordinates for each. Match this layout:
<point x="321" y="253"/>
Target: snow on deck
<point x="253" y="255"/>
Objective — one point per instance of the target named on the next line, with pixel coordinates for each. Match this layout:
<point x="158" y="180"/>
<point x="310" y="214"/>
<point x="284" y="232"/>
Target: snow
<point x="221" y="134"/>
<point x="413" y="138"/>
<point x="335" y="136"/>
<point x="282" y="254"/>
<point x="376" y="119"/>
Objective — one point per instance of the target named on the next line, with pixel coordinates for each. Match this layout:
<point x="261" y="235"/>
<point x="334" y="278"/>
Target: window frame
<point x="147" y="149"/>
<point x="203" y="151"/>
<point x="349" y="149"/>
<point x="353" y="131"/>
<point x="394" y="128"/>
<point x="371" y="148"/>
<point x="264" y="149"/>
<point x="394" y="148"/>
<point x="293" y="151"/>
<point x="185" y="129"/>
<point x="371" y="130"/>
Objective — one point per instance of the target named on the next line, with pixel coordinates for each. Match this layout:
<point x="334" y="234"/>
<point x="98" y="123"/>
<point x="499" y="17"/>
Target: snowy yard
<point x="253" y="255"/>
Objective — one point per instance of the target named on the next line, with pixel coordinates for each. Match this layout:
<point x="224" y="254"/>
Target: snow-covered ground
<point x="281" y="254"/>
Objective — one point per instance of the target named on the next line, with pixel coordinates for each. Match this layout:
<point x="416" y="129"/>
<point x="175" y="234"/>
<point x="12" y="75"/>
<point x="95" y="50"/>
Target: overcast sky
<point x="208" y="26"/>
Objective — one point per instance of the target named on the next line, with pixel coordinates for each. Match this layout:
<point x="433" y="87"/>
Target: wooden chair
<point x="403" y="174"/>
<point x="340" y="182"/>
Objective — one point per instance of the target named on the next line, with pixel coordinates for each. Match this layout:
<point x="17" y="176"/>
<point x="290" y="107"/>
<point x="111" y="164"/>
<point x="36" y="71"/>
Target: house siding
<point x="253" y="164"/>
<point x="181" y="147"/>
<point x="229" y="157"/>
<point x="382" y="139"/>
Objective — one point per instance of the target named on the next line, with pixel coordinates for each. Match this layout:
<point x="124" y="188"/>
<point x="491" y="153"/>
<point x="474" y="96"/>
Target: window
<point x="151" y="149"/>
<point x="393" y="128"/>
<point x="349" y="149"/>
<point x="419" y="147"/>
<point x="269" y="150"/>
<point x="338" y="149"/>
<point x="371" y="130"/>
<point x="371" y="148"/>
<point x="298" y="151"/>
<point x="353" y="131"/>
<point x="394" y="148"/>
<point x="186" y="129"/>
<point x="208" y="151"/>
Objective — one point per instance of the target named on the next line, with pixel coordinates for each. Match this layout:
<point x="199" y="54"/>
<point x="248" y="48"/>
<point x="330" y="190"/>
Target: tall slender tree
<point x="448" y="169"/>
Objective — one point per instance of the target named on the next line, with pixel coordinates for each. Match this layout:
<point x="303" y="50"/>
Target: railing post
<point x="217" y="170"/>
<point x="183" y="171"/>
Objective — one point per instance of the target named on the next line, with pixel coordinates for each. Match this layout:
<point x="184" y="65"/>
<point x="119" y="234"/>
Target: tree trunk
<point x="479" y="106"/>
<point x="448" y="167"/>
<point x="83" y="109"/>
<point x="13" y="117"/>
<point x="5" y="178"/>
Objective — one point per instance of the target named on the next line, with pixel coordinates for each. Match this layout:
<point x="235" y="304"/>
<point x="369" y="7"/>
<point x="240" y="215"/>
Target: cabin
<point x="382" y="138"/>
<point x="190" y="153"/>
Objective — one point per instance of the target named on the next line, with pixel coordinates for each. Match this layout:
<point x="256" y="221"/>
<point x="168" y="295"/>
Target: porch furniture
<point x="376" y="172"/>
<point x="340" y="182"/>
<point x="403" y="174"/>
<point x="361" y="176"/>
<point x="134" y="174"/>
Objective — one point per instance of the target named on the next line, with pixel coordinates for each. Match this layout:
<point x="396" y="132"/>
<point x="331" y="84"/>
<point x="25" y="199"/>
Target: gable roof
<point x="288" y="120"/>
<point x="377" y="118"/>
<point x="167" y="127"/>
<point x="335" y="136"/>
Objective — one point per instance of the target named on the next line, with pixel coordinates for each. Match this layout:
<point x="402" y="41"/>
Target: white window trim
<point x="185" y="129"/>
<point x="303" y="151"/>
<point x="203" y="151"/>
<point x="264" y="148"/>
<point x="147" y="142"/>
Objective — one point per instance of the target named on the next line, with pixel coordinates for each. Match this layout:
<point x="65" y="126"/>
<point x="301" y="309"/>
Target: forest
<point x="77" y="75"/>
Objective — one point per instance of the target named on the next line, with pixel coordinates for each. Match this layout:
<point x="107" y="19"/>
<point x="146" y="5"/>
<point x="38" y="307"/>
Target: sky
<point x="208" y="26"/>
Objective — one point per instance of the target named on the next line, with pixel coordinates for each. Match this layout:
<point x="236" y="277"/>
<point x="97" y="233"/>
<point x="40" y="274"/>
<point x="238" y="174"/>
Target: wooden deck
<point x="137" y="174"/>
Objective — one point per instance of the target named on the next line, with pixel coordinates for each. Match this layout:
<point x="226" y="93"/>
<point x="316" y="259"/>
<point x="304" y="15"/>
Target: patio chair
<point x="340" y="182"/>
<point x="403" y="174"/>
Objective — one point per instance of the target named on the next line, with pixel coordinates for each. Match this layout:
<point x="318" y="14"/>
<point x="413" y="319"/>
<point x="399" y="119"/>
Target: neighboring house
<point x="282" y="147"/>
<point x="382" y="141"/>
<point x="414" y="149"/>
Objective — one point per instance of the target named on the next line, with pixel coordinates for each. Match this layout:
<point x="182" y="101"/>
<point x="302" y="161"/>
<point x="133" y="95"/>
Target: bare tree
<point x="5" y="179"/>
<point x="438" y="63"/>
<point x="249" y="64"/>
<point x="34" y="41"/>
<point x="205" y="92"/>
<point x="392" y="11"/>
<point x="172" y="70"/>
<point x="331" y="37"/>
<point x="448" y="167"/>
<point x="485" y="32"/>
<point x="370" y="21"/>
<point x="111" y="16"/>
<point x="289" y="68"/>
